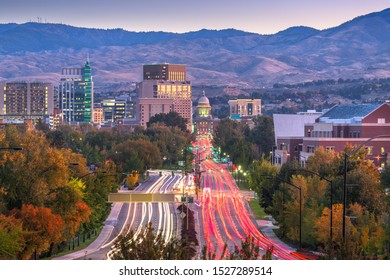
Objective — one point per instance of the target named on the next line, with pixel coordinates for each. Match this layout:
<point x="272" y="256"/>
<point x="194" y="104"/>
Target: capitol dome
<point x="203" y="100"/>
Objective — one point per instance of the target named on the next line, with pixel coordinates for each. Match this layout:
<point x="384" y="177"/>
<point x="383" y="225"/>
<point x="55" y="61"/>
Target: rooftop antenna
<point x="88" y="57"/>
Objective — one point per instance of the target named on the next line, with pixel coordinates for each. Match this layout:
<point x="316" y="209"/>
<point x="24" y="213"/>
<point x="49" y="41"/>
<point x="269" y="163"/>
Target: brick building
<point x="342" y="125"/>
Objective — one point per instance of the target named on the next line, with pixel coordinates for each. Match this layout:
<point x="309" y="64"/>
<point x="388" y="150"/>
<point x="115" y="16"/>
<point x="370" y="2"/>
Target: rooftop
<point x="349" y="111"/>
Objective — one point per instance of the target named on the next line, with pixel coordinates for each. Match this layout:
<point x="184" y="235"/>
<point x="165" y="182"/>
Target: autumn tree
<point x="29" y="176"/>
<point x="41" y="229"/>
<point x="132" y="179"/>
<point x="11" y="237"/>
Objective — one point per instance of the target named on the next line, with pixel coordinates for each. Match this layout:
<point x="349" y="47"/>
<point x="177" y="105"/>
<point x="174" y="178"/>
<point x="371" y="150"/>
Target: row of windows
<point x="369" y="149"/>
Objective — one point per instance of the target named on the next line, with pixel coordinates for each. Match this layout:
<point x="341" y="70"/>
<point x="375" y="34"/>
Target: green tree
<point x="171" y="119"/>
<point x="234" y="138"/>
<point x="261" y="179"/>
<point x="263" y="134"/>
<point x="136" y="155"/>
<point x="147" y="246"/>
<point x="11" y="237"/>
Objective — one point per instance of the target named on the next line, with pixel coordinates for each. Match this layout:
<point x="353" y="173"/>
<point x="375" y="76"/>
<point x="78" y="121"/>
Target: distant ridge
<point x="357" y="48"/>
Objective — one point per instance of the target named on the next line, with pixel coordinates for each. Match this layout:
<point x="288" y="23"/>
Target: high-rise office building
<point x="167" y="81"/>
<point x="26" y="100"/>
<point x="165" y="72"/>
<point x="75" y="94"/>
<point x="98" y="116"/>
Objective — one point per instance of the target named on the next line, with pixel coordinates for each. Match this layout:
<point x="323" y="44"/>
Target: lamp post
<point x="93" y="172"/>
<point x="300" y="204"/>
<point x="346" y="156"/>
<point x="11" y="148"/>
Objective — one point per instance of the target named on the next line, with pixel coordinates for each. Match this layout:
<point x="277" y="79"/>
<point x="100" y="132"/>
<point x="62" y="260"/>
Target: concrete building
<point x="98" y="116"/>
<point x="167" y="83"/>
<point x="75" y="94"/>
<point x="153" y="106"/>
<point x="26" y="100"/>
<point x="289" y="133"/>
<point x="244" y="108"/>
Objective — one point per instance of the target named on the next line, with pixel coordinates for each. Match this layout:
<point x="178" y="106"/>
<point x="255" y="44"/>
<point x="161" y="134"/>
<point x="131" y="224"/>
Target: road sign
<point x="182" y="215"/>
<point x="180" y="163"/>
<point x="183" y="199"/>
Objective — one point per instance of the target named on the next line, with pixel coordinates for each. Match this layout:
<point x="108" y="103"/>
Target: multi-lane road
<point x="222" y="214"/>
<point x="226" y="216"/>
<point x="136" y="216"/>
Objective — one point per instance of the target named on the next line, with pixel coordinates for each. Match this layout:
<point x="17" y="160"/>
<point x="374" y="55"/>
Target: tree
<point x="249" y="250"/>
<point x="385" y="178"/>
<point x="147" y="246"/>
<point x="234" y="139"/>
<point x="41" y="229"/>
<point x="29" y="176"/>
<point x="263" y="134"/>
<point x="132" y="179"/>
<point x="136" y="155"/>
<point x="261" y="180"/>
<point x="169" y="119"/>
<point x="11" y="237"/>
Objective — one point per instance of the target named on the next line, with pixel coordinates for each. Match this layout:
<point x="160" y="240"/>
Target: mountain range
<point x="359" y="48"/>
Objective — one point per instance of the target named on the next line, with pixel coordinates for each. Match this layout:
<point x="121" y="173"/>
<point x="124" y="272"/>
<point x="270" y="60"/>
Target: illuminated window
<point x="369" y="150"/>
<point x="383" y="150"/>
<point x="381" y="120"/>
<point x="329" y="148"/>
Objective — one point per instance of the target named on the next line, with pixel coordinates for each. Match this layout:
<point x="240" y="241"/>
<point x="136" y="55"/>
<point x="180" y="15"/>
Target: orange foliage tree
<point x="42" y="229"/>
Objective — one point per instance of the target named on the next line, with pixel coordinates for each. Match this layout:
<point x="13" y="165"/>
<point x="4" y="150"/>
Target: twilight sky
<point x="260" y="16"/>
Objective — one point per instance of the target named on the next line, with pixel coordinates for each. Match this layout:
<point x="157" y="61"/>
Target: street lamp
<point x="347" y="155"/>
<point x="300" y="204"/>
<point x="93" y="172"/>
<point x="11" y="148"/>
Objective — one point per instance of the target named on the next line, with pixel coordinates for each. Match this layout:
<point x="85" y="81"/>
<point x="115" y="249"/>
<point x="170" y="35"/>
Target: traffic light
<point x="190" y="148"/>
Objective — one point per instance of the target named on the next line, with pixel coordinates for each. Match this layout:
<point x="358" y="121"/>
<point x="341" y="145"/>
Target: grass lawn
<point x="256" y="208"/>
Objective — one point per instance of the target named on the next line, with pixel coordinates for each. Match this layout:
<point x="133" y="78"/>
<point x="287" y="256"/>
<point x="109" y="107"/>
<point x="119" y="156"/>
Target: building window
<point x="381" y="120"/>
<point x="310" y="149"/>
<point x="369" y="150"/>
<point x="283" y="146"/>
<point x="329" y="148"/>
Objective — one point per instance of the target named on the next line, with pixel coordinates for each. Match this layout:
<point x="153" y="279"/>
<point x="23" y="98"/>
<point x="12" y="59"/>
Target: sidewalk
<point x="267" y="228"/>
<point x="104" y="235"/>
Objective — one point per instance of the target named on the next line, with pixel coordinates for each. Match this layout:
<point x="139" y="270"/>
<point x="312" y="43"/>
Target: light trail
<point x="225" y="212"/>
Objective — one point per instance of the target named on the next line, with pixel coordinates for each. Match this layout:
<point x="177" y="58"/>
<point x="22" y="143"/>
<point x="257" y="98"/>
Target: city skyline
<point x="258" y="16"/>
